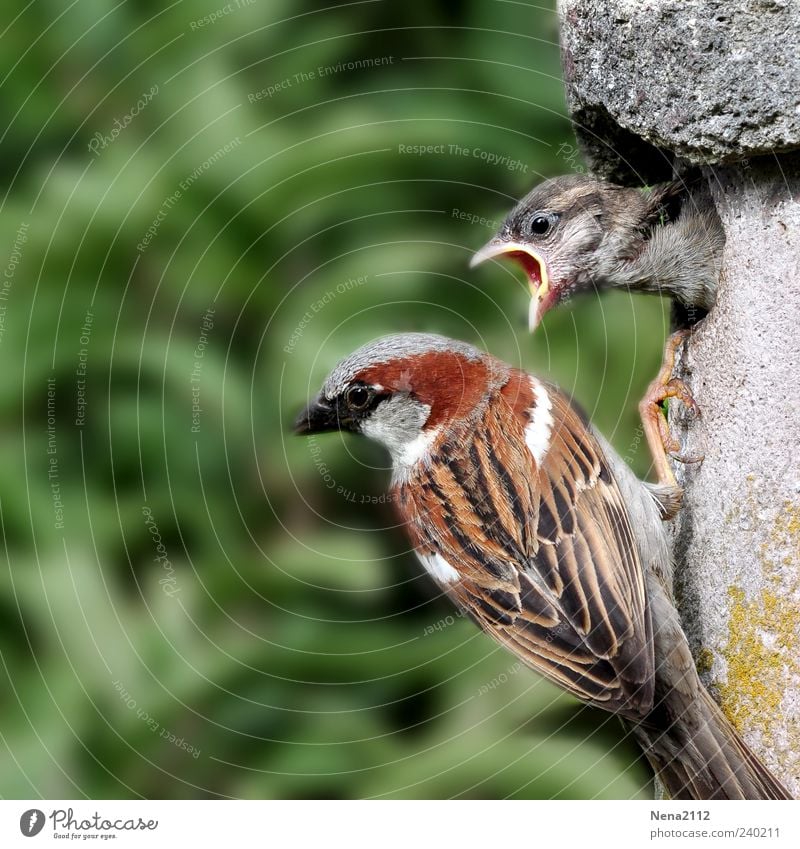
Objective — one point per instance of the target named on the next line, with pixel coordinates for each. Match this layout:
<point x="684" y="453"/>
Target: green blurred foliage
<point x="287" y="643"/>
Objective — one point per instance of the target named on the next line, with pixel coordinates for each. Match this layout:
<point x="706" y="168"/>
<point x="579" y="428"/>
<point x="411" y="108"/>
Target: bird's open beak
<point x="535" y="268"/>
<point x="318" y="417"/>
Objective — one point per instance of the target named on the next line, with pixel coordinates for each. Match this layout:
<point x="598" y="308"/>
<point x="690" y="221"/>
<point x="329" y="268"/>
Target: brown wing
<point x="547" y="560"/>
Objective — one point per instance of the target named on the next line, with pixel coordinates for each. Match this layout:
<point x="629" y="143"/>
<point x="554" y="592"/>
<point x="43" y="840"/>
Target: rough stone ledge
<point x="712" y="81"/>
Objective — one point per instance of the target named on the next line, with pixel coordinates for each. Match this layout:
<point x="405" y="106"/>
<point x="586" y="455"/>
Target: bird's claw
<point x="659" y="437"/>
<point x="686" y="458"/>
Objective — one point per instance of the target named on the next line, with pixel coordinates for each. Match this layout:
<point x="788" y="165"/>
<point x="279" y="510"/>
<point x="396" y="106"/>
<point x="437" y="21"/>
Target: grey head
<point x="402" y="391"/>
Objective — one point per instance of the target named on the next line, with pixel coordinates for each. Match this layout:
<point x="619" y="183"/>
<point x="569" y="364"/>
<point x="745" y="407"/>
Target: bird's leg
<point x="656" y="429"/>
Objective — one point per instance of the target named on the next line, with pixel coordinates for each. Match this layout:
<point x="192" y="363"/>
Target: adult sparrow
<point x="526" y="517"/>
<point x="575" y="234"/>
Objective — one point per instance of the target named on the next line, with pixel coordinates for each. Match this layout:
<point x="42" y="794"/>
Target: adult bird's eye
<point x="358" y="397"/>
<point x="539" y="225"/>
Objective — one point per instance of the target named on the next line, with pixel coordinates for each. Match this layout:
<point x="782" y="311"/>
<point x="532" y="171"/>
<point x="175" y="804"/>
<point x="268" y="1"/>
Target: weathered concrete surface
<point x="652" y="83"/>
<point x="738" y="535"/>
<point x="709" y="80"/>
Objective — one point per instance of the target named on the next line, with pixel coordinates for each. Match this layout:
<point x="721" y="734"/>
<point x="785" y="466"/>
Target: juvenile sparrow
<point x="576" y="234"/>
<point x="528" y="520"/>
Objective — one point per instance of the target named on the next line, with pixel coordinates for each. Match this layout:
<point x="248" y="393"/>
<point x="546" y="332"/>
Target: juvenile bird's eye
<point x="539" y="225"/>
<point x="358" y="397"/>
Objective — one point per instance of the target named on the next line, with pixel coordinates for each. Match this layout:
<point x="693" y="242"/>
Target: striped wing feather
<point x="547" y="558"/>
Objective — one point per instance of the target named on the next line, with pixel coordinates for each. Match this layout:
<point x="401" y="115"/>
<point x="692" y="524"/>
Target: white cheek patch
<point x="416" y="450"/>
<point x="397" y="424"/>
<point x="540" y="427"/>
<point x="438" y="567"/>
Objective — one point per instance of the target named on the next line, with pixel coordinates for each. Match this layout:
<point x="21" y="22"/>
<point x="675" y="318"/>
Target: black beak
<point x="318" y="417"/>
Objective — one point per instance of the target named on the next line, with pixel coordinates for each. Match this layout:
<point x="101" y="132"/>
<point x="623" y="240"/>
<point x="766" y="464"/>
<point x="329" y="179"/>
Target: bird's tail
<point x="700" y="755"/>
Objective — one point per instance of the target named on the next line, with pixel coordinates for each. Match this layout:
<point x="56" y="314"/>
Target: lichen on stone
<point x="763" y="670"/>
<point x="704" y="660"/>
